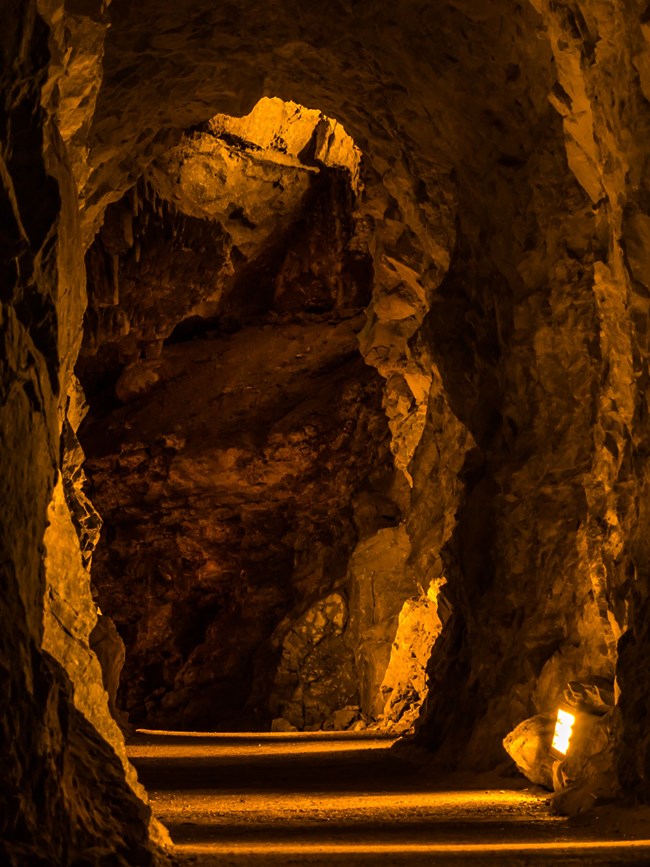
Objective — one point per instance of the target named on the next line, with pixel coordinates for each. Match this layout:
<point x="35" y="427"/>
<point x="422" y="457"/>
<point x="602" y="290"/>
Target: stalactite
<point x="128" y="228"/>
<point x="116" y="278"/>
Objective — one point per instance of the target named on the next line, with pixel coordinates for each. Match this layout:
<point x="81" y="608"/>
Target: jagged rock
<point x="108" y="647"/>
<point x="380" y="582"/>
<point x="528" y="745"/>
<point x="266" y="199"/>
<point x="64" y="761"/>
<point x="282" y="725"/>
<point x="242" y="509"/>
<point x="595" y="696"/>
<point x="404" y="686"/>
<point x="496" y="241"/>
<point x="343" y="719"/>
<point x="588" y="773"/>
<point x="136" y="379"/>
<point x="315" y="675"/>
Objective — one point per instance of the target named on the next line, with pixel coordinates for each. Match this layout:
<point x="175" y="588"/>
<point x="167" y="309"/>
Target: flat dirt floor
<point x="353" y="799"/>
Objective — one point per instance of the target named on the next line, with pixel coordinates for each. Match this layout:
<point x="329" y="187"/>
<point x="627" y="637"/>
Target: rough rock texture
<point x="68" y="795"/>
<point x="380" y="582"/>
<point x="572" y="437"/>
<point x="498" y="244"/>
<point x="386" y="617"/>
<point x="281" y="193"/>
<point x="208" y="231"/>
<point x="233" y="514"/>
<point x="250" y="516"/>
<point x="586" y="775"/>
<point x="584" y="772"/>
<point x="316" y="674"/>
<point x="405" y="684"/>
<point x="528" y="746"/>
<point x="499" y="320"/>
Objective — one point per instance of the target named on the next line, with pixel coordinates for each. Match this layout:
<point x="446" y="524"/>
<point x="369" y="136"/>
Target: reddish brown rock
<point x="494" y="237"/>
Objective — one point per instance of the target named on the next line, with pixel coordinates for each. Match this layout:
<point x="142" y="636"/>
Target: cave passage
<point x="341" y="798"/>
<point x="302" y="440"/>
<point x="324" y="413"/>
<point x="254" y="555"/>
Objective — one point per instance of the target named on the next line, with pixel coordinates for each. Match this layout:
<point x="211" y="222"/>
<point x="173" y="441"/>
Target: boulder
<point x="282" y="725"/>
<point x="342" y="719"/>
<point x="528" y="745"/>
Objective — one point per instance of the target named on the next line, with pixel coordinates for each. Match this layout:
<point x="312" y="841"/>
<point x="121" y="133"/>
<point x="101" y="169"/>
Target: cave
<point x="324" y="368"/>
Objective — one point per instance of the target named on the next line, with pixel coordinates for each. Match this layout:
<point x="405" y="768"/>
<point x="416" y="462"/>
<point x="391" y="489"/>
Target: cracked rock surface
<point x="473" y="284"/>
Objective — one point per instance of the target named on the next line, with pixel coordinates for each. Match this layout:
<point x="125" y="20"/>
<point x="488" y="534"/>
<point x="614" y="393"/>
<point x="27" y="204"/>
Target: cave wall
<point x="68" y="792"/>
<point x="407" y="210"/>
<point x="236" y="441"/>
<point x="455" y="173"/>
<point x="505" y="193"/>
<point x="601" y="53"/>
<point x="573" y="531"/>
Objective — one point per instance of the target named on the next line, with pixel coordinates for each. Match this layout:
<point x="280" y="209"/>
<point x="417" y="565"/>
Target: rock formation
<point x="365" y="354"/>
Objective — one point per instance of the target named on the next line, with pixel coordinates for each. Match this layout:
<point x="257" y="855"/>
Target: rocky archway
<point x="506" y="167"/>
<point x="236" y="444"/>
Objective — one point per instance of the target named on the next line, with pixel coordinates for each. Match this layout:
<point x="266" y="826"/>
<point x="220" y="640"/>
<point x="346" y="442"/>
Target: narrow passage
<point x="343" y="799"/>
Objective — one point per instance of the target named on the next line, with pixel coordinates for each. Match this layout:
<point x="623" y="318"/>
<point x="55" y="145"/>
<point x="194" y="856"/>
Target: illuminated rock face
<point x="499" y="252"/>
<point x="251" y="450"/>
<point x="243" y="446"/>
<point x="63" y="759"/>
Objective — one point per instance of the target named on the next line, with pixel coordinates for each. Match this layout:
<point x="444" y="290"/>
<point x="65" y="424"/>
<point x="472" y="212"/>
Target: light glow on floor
<point x="177" y="745"/>
<point x="267" y="798"/>
<point x="332" y="803"/>
<point x="415" y="848"/>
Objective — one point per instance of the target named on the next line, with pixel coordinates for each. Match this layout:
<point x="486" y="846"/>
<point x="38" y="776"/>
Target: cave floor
<point x="342" y="799"/>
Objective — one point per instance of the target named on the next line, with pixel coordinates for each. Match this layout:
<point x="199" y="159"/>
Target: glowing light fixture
<point x="566" y="718"/>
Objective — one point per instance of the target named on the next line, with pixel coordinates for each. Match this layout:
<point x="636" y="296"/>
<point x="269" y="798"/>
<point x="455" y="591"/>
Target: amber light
<point x="563" y="731"/>
<point x="581" y="848"/>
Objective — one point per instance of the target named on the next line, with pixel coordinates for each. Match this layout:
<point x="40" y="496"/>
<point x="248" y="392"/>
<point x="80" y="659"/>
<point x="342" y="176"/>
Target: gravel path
<point x="339" y="799"/>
